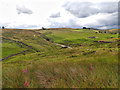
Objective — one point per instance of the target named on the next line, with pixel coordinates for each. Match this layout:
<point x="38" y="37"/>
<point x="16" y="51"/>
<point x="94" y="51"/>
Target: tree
<point x="3" y="27"/>
<point x="43" y="28"/>
<point x="99" y="31"/>
<point x="104" y="31"/>
<point x="84" y="28"/>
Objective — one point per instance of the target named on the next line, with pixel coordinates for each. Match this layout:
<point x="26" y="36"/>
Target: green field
<point x="87" y="64"/>
<point x="10" y="47"/>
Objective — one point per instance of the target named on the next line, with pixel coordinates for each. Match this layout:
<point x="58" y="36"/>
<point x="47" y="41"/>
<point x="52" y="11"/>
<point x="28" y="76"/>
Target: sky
<point x="35" y="14"/>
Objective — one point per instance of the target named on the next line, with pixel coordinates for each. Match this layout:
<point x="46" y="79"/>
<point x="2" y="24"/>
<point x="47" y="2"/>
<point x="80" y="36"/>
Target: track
<point x="63" y="46"/>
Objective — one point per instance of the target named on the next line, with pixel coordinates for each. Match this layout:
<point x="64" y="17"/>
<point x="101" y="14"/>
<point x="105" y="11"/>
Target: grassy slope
<point x="10" y="47"/>
<point x="69" y="37"/>
<point x="52" y="66"/>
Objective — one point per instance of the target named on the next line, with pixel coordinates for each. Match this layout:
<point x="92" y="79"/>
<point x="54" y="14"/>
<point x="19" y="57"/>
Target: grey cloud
<point x="4" y="24"/>
<point x="25" y="26"/>
<point x="110" y="22"/>
<point x="56" y="15"/>
<point x="85" y="9"/>
<point x="119" y="6"/>
<point x="23" y="10"/>
<point x="108" y="7"/>
<point x="71" y="24"/>
<point x="108" y="27"/>
<point x="119" y="14"/>
<point x="80" y="9"/>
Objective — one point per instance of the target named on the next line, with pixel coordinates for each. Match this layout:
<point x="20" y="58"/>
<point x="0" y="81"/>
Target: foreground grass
<point x="63" y="75"/>
<point x="63" y="71"/>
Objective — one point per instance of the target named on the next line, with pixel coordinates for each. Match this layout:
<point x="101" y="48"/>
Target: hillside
<point x="91" y="62"/>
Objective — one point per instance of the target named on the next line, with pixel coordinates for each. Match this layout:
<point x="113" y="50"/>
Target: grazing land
<point x="91" y="62"/>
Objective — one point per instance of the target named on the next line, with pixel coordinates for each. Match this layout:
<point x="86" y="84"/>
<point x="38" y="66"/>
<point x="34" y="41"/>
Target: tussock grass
<point x="63" y="75"/>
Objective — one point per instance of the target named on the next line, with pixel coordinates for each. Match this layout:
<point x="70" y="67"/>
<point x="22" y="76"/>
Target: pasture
<point x="91" y="62"/>
<point x="10" y="47"/>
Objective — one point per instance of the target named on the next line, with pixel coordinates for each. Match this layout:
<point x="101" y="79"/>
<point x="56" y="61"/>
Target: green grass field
<point x="10" y="47"/>
<point x="87" y="64"/>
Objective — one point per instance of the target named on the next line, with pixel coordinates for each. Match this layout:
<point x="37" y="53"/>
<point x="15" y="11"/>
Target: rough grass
<point x="73" y="37"/>
<point x="50" y="66"/>
<point x="10" y="47"/>
<point x="63" y="75"/>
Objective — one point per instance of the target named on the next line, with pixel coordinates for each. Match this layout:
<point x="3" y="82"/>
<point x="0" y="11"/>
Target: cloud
<point x="80" y="9"/>
<point x="102" y="20"/>
<point x="4" y="24"/>
<point x="56" y="15"/>
<point x="108" y="7"/>
<point x="59" y="13"/>
<point x="23" y="10"/>
<point x="109" y="20"/>
<point x="85" y="9"/>
<point x="70" y="23"/>
<point x="25" y="26"/>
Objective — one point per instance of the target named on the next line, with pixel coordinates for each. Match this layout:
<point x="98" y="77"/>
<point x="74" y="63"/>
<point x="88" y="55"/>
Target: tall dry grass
<point x="63" y="75"/>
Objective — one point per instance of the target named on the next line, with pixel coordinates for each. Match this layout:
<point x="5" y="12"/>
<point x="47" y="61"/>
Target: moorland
<point x="60" y="58"/>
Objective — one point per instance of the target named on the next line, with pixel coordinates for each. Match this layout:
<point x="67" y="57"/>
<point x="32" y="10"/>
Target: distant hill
<point x="113" y="29"/>
<point x="58" y="29"/>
